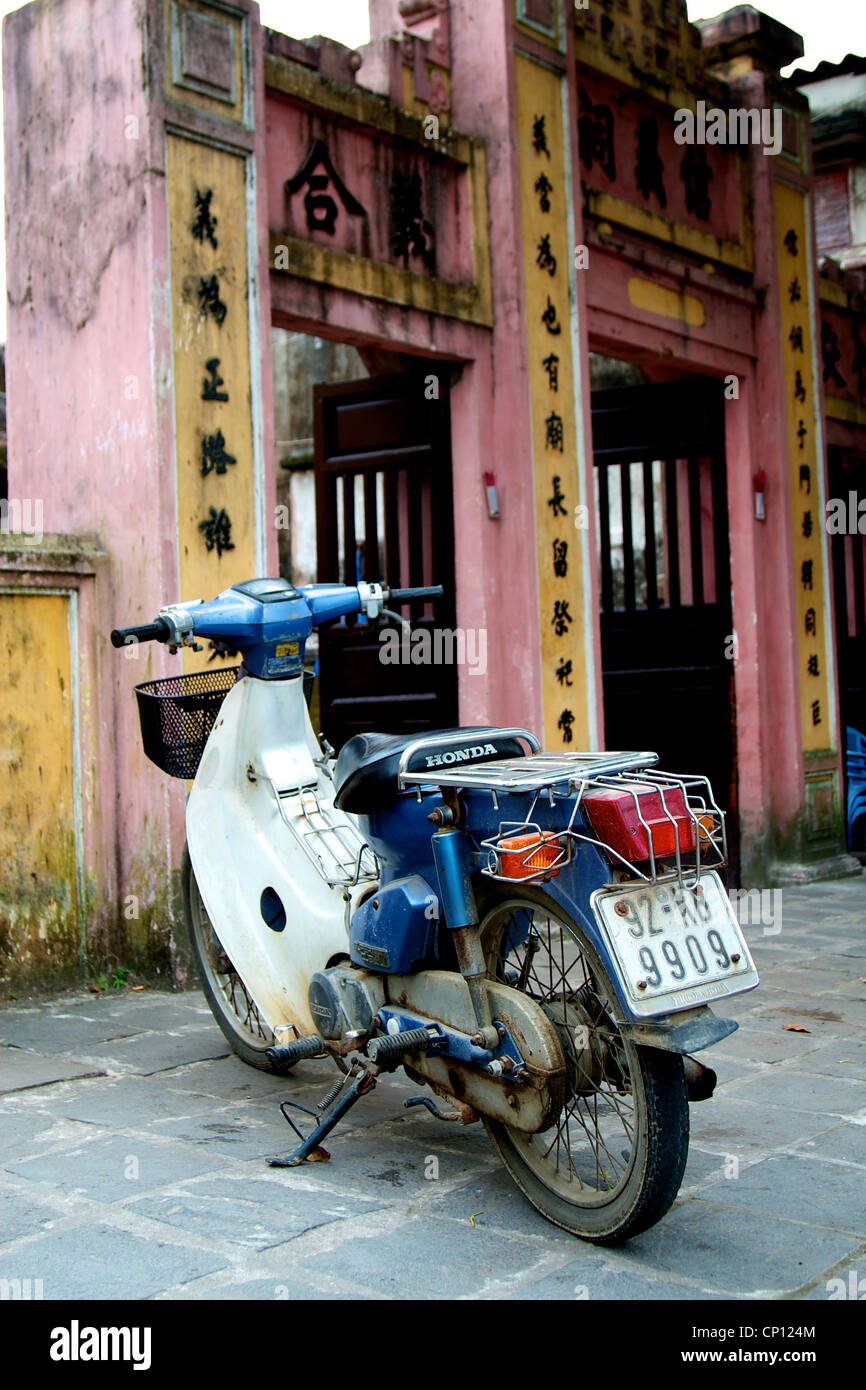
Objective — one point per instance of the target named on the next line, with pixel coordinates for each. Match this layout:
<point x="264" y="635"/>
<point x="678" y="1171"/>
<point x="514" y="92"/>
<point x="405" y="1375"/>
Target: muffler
<point x="700" y="1080"/>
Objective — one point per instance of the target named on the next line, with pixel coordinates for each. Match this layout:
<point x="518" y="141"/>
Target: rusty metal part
<point x="529" y="1103"/>
<point x="461" y="1114"/>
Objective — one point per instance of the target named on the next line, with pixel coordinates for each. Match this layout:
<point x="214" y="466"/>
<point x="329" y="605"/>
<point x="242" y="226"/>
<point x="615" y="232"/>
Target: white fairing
<point x="240" y="844"/>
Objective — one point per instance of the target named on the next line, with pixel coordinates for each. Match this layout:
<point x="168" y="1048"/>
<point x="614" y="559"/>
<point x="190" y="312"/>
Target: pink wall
<point x="88" y="364"/>
<point x="89" y="370"/>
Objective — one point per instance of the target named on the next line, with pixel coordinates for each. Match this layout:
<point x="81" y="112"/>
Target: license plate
<point x="676" y="947"/>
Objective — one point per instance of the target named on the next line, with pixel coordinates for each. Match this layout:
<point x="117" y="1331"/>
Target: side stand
<point x="340" y="1099"/>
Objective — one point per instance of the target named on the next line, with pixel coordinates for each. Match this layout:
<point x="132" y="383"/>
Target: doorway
<point x="382" y="449"/>
<point x="662" y="517"/>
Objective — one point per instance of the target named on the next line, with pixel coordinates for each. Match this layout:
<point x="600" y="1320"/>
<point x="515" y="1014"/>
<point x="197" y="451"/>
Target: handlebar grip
<point x="434" y="591"/>
<point x="148" y="632"/>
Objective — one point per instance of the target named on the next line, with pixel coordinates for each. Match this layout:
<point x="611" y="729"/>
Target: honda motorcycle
<point x="534" y="936"/>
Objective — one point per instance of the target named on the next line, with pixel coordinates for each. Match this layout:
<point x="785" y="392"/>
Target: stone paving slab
<point x="20" y="1070"/>
<point x="148" y="1179"/>
<point x="99" y="1261"/>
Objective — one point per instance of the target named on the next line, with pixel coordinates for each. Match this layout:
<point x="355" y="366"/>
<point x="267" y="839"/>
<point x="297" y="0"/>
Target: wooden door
<point x="384" y="513"/>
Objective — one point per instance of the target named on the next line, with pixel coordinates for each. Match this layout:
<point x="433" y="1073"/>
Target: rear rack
<point x="335" y="848"/>
<point x="557" y="777"/>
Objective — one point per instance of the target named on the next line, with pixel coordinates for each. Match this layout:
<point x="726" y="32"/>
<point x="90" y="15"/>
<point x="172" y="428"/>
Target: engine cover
<point x="344" y="1000"/>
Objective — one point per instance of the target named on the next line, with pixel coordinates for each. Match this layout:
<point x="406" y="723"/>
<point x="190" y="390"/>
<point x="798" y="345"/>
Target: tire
<point x="612" y="1163"/>
<point x="242" y="1026"/>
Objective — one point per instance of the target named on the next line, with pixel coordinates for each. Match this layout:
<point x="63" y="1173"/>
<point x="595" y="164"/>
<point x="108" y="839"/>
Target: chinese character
<point x="411" y="228"/>
<point x="205" y="222"/>
<point x="805" y="477"/>
<point x="543" y="188"/>
<point x="548" y="318"/>
<point x="816" y="711"/>
<point x="560" y="562"/>
<point x="561" y="617"/>
<point x="791" y="241"/>
<point x="799" y="388"/>
<point x="801" y="433"/>
<point x="794" y="292"/>
<point x="566" y="719"/>
<point x="209" y="389"/>
<point x="551" y="366"/>
<point x="806" y="574"/>
<point x="696" y="174"/>
<point x="545" y="260"/>
<point x="649" y="169"/>
<point x="557" y="499"/>
<point x="320" y="208"/>
<point x="812" y="666"/>
<point x="563" y="673"/>
<point x="595" y="136"/>
<point x="217" y="531"/>
<point x="209" y="301"/>
<point x="553" y="432"/>
<point x="830" y="354"/>
<point x="807" y="524"/>
<point x="213" y="454"/>
<point x="539" y="136"/>
<point x="795" y="338"/>
<point x="811" y="627"/>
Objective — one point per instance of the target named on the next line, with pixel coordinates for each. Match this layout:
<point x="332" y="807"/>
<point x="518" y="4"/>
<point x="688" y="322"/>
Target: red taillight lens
<point x="614" y="818"/>
<point x="524" y="856"/>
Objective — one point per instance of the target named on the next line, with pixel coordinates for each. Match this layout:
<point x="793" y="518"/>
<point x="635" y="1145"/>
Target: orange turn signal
<point x="524" y="856"/>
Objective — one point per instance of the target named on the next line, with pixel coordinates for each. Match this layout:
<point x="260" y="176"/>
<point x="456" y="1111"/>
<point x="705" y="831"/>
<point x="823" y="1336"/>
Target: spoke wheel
<point x="611" y="1164"/>
<point x="231" y="1004"/>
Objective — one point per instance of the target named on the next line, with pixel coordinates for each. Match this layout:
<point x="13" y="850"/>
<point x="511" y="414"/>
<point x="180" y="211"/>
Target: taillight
<point x="524" y="856"/>
<point x="613" y="814"/>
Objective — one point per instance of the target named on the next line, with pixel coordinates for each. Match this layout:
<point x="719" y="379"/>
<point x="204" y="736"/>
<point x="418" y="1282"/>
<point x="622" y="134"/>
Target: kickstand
<point x="341" y="1099"/>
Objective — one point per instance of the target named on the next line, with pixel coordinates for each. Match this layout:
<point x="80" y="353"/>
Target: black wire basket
<point x="177" y="714"/>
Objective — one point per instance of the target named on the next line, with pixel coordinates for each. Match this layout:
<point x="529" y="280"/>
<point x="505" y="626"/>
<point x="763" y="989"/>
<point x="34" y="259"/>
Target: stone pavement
<point x="132" y="1148"/>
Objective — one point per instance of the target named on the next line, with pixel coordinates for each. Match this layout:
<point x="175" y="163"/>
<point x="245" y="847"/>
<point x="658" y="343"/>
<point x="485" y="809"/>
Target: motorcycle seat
<point x="365" y="776"/>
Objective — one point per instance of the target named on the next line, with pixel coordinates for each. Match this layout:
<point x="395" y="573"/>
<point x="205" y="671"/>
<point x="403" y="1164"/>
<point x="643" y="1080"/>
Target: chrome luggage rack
<point x="556" y="777"/>
<point x="334" y="847"/>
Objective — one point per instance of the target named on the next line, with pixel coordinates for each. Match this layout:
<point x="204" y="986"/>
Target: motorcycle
<point x="534" y="936"/>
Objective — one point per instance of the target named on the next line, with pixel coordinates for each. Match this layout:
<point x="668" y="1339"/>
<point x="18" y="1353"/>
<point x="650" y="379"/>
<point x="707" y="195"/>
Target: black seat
<point x="365" y="776"/>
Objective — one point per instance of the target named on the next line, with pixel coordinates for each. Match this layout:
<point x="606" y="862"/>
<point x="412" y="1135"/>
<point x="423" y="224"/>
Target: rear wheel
<point x="231" y="1004"/>
<point x="611" y="1164"/>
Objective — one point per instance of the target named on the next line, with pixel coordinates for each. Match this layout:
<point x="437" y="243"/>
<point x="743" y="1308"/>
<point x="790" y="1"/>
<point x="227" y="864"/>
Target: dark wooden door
<point x="665" y="576"/>
<point x="384" y="513"/>
<point x="847" y="480"/>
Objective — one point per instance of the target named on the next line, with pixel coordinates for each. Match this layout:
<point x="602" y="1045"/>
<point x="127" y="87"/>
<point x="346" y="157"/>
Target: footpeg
<point x="285" y="1055"/>
<point x="389" y="1050"/>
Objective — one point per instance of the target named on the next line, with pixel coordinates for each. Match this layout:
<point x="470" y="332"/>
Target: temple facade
<point x="521" y="298"/>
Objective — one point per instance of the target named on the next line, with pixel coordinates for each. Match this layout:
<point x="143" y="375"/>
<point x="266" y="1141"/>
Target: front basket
<point x="177" y="715"/>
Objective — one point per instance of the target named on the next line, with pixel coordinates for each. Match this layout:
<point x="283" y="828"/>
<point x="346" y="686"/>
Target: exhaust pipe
<point x="700" y="1080"/>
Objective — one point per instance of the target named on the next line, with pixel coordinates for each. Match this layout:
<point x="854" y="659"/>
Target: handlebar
<point x="403" y="595"/>
<point x="147" y="632"/>
<point x="223" y="620"/>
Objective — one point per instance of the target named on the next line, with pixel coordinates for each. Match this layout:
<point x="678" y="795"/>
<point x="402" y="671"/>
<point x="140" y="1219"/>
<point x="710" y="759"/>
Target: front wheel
<point x="612" y="1162"/>
<point x="230" y="1002"/>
